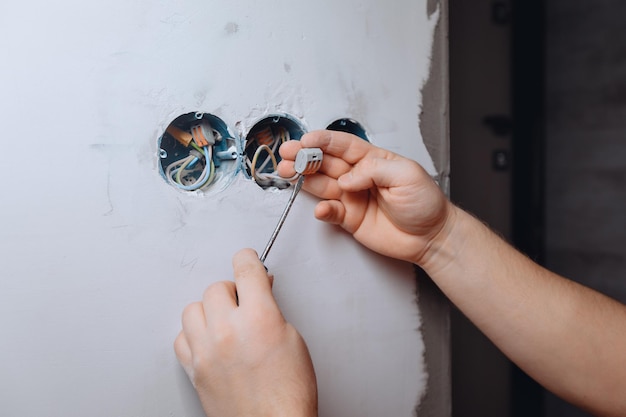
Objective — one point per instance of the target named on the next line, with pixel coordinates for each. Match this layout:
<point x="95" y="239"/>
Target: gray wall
<point x="586" y="148"/>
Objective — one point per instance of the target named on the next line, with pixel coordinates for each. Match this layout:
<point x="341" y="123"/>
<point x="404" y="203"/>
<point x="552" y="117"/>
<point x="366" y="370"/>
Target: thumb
<point x="252" y="282"/>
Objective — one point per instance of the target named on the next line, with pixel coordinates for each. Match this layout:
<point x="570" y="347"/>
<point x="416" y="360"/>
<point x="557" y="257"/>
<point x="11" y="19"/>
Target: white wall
<point x="99" y="255"/>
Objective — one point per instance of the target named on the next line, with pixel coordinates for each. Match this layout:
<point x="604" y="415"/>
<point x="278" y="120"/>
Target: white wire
<point x="269" y="158"/>
<point x="205" y="177"/>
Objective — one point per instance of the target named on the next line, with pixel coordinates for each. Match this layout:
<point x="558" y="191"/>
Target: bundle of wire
<point x="268" y="143"/>
<point x="185" y="173"/>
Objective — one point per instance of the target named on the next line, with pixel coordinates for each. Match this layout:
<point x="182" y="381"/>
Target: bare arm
<point x="570" y="338"/>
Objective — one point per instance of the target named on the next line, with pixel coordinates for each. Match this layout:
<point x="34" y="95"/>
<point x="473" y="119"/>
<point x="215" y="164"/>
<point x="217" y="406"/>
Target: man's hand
<point x="389" y="203"/>
<point x="241" y="355"/>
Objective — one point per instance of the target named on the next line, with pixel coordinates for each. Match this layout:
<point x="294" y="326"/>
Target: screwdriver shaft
<point x="283" y="216"/>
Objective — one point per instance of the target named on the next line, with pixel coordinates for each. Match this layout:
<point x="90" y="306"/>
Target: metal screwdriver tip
<point x="308" y="161"/>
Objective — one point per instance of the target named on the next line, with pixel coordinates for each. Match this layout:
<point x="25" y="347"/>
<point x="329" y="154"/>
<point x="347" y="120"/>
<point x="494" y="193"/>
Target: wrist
<point x="441" y="249"/>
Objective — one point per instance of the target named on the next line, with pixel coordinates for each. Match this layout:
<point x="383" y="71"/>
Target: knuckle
<point x="367" y="163"/>
<point x="191" y="309"/>
<point x="223" y="334"/>
<point x="200" y="364"/>
<point x="215" y="288"/>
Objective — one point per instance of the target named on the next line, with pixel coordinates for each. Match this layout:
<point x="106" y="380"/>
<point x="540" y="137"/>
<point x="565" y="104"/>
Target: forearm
<point x="569" y="338"/>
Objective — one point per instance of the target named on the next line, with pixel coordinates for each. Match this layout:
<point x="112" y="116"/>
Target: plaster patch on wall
<point x="433" y="6"/>
<point x="434" y="112"/>
<point x="433" y="305"/>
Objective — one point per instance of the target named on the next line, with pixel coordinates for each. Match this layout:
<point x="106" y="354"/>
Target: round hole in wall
<point x="197" y="151"/>
<point x="349" y="126"/>
<point x="262" y="144"/>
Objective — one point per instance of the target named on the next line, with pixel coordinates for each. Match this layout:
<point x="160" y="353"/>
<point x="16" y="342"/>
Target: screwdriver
<point x="308" y="161"/>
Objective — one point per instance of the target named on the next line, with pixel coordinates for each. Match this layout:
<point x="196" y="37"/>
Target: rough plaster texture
<point x="586" y="150"/>
<point x="99" y="255"/>
<point x="434" y="307"/>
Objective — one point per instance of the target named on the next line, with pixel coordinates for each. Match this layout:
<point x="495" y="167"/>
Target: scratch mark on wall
<point x="181" y="214"/>
<point x="108" y="191"/>
<point x="184" y="263"/>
